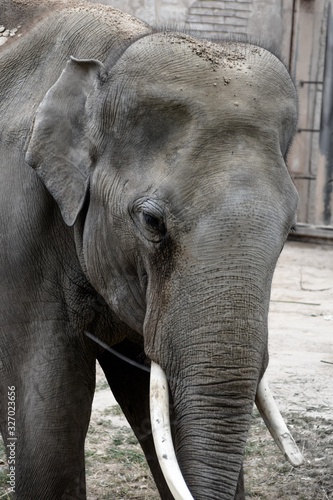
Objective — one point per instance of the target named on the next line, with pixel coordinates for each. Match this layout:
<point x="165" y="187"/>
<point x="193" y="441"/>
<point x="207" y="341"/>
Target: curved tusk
<point x="160" y="423"/>
<point x="275" y="423"/>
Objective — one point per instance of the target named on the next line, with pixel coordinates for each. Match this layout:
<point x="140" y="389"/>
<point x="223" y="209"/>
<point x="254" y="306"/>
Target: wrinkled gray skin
<point x="167" y="164"/>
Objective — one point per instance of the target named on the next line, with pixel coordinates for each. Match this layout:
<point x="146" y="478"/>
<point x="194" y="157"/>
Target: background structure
<point x="302" y="30"/>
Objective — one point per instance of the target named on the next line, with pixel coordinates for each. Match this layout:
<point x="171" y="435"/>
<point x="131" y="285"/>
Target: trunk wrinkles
<point x="210" y="340"/>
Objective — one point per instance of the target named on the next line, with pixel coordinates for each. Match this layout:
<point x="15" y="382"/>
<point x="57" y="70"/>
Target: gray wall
<point x="260" y="18"/>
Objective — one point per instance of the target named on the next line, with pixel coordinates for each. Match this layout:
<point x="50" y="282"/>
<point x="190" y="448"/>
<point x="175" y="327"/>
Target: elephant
<point x="145" y="202"/>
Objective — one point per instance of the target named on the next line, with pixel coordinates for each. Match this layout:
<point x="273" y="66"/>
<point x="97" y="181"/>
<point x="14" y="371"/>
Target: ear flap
<point x="58" y="148"/>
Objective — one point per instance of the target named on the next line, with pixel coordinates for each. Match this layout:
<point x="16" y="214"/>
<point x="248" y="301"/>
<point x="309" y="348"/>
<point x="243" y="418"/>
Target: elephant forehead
<point x="180" y="64"/>
<point x="233" y="81"/>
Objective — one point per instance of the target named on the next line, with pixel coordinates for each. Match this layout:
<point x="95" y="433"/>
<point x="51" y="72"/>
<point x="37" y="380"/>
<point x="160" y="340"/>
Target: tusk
<point x="160" y="423"/>
<point x="275" y="423"/>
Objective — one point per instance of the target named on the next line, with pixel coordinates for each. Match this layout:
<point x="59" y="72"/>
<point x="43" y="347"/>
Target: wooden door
<point x="311" y="157"/>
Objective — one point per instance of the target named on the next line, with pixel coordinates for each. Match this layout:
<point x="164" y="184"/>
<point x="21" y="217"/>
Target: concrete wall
<point x="143" y="9"/>
<point x="262" y="19"/>
<point x="214" y="17"/>
<point x="153" y="11"/>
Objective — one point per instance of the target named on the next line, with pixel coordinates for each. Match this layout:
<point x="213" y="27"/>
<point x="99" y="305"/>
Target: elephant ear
<point x="58" y="148"/>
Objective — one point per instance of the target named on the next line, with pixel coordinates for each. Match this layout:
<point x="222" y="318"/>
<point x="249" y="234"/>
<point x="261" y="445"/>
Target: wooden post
<point x="324" y="213"/>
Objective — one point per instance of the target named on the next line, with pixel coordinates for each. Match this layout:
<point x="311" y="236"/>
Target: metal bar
<point x="308" y="130"/>
<point x="303" y="82"/>
<point x="306" y="177"/>
<point x="116" y="353"/>
<point x="292" y="66"/>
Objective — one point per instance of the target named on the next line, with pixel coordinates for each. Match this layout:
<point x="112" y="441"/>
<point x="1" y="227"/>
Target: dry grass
<point x="269" y="476"/>
<point x="116" y="468"/>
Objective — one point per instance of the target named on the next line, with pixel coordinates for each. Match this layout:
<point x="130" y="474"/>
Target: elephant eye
<point x="148" y="215"/>
<point x="153" y="222"/>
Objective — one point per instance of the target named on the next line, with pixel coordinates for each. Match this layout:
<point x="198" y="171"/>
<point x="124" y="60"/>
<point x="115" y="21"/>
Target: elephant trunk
<point x="213" y="352"/>
<point x="212" y="414"/>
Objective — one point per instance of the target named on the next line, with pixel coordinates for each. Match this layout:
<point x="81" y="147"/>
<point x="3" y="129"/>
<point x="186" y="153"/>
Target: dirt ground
<point x="301" y="330"/>
<point x="301" y="378"/>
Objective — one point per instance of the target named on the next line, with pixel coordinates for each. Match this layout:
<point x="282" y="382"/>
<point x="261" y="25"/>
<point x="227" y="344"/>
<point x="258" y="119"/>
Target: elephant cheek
<point x="126" y="300"/>
<point x="112" y="273"/>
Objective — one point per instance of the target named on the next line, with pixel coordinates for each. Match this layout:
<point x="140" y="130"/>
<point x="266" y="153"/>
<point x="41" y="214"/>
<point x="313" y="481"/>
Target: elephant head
<point x="170" y="165"/>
